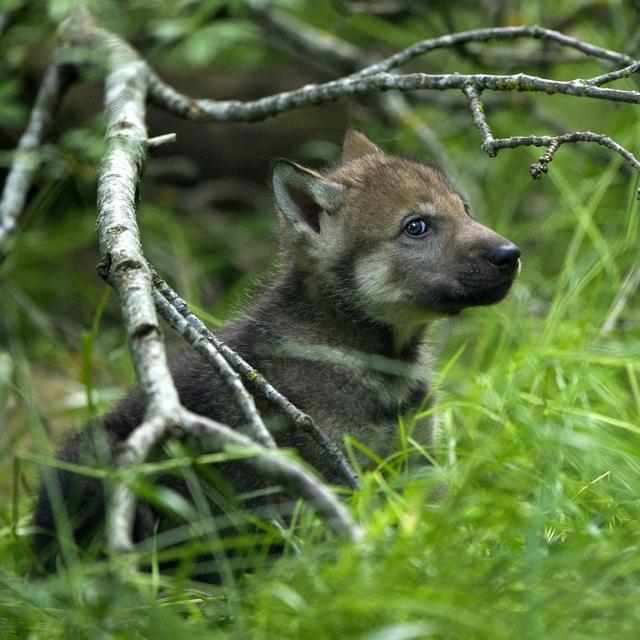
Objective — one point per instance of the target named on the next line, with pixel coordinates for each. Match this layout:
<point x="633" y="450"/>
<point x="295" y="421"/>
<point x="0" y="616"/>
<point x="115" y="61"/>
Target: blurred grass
<point x="536" y="535"/>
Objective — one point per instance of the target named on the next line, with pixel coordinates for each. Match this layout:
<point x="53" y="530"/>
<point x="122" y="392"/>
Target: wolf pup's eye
<point x="416" y="227"/>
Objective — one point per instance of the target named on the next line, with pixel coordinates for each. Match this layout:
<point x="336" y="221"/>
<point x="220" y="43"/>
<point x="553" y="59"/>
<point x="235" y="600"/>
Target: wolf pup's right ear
<point x="301" y="195"/>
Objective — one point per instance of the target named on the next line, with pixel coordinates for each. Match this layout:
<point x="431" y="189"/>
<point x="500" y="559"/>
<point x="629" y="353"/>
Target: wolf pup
<point x="372" y="251"/>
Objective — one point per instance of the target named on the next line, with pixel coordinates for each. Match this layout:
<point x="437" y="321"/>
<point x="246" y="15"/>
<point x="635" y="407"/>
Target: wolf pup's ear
<point x="301" y="195"/>
<point x="356" y="145"/>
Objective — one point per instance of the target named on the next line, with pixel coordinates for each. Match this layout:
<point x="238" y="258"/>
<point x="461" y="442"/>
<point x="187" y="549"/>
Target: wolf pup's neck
<point x="298" y="308"/>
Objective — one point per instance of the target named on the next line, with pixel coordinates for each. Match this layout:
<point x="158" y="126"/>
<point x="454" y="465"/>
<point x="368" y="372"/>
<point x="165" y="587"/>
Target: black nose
<point x="504" y="257"/>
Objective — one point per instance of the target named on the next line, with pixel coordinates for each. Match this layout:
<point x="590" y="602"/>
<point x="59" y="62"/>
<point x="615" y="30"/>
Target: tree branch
<point x="26" y="161"/>
<point x="271" y="465"/>
<point x="327" y="52"/>
<point x="553" y="142"/>
<point x="598" y="81"/>
<point x="123" y="265"/>
<point x="375" y="78"/>
<point x="479" y="119"/>
<point x="493" y="33"/>
<point x="205" y="110"/>
<point x="258" y="431"/>
<point x="255" y="379"/>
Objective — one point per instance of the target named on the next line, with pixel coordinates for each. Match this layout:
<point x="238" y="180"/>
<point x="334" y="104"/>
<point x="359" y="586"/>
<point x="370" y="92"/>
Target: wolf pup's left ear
<point x="302" y="195"/>
<point x="357" y="145"/>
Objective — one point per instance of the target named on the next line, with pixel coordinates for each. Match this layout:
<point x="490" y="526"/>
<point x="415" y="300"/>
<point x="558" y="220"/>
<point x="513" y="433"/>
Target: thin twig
<point x="259" y="382"/>
<point x="568" y="138"/>
<point x="244" y="400"/>
<point x="27" y="159"/>
<point x="542" y="166"/>
<point x="159" y="141"/>
<point x="327" y="52"/>
<point x="479" y="119"/>
<point x="493" y="33"/>
<point x="122" y="502"/>
<point x="614" y="75"/>
<point x="205" y="110"/>
<point x="275" y="467"/>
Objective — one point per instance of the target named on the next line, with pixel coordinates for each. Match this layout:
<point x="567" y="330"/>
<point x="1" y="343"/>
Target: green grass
<point x="536" y="535"/>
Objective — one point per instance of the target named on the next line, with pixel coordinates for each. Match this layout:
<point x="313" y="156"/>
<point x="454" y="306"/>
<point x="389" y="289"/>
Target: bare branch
<point x="542" y="166"/>
<point x="314" y="94"/>
<point x="122" y="502"/>
<point x="269" y="464"/>
<point x="258" y="431"/>
<point x="159" y="141"/>
<point x="55" y="82"/>
<point x="124" y="266"/>
<point x="614" y="75"/>
<point x="122" y="261"/>
<point x="494" y="33"/>
<point x="327" y="52"/>
<point x="258" y="381"/>
<point x="273" y="466"/>
<point x="479" y="119"/>
<point x="553" y="142"/>
<point x="374" y="78"/>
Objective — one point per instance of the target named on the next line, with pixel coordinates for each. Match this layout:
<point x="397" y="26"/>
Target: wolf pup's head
<point x="389" y="237"/>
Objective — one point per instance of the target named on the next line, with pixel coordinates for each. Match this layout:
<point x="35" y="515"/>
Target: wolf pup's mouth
<point x="476" y="294"/>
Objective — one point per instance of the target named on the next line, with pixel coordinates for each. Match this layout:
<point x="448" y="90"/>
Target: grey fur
<point x="313" y="332"/>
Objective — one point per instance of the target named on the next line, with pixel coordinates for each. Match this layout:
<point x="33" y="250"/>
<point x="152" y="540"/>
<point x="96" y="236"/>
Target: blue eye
<point x="416" y="227"/>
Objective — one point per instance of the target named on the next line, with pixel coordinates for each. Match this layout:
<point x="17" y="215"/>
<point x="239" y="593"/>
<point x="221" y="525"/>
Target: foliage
<point x="539" y="402"/>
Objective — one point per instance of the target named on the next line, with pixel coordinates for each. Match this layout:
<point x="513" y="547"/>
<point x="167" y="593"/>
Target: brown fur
<point x="400" y="281"/>
<point x="340" y="328"/>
